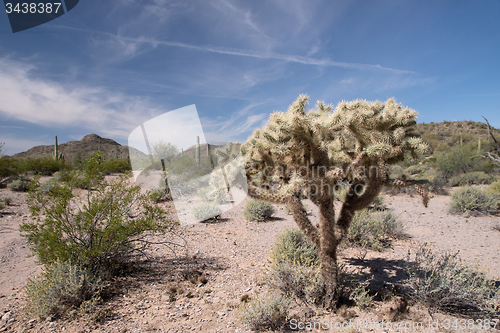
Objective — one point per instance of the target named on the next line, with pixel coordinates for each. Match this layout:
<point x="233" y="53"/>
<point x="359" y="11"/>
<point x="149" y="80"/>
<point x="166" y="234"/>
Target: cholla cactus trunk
<point x="308" y="153"/>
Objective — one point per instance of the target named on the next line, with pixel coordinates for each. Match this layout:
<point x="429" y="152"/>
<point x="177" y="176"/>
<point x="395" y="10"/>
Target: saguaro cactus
<point x="56" y="148"/>
<point x="310" y="153"/>
<point x="197" y="151"/>
<point x="57" y="155"/>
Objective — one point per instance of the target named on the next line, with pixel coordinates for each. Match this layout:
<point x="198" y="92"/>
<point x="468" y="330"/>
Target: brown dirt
<point x="170" y="293"/>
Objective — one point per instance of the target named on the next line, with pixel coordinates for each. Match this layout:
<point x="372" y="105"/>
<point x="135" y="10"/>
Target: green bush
<point x="60" y="287"/>
<point x="206" y="211"/>
<point x="373" y="229"/>
<point x="265" y="314"/>
<point x="106" y="229"/>
<point x="457" y="160"/>
<point x="7" y="200"/>
<point x="494" y="188"/>
<point x="471" y="178"/>
<point x="293" y="247"/>
<point x="42" y="166"/>
<point x="447" y="283"/>
<point x="471" y="200"/>
<point x="259" y="211"/>
<point x="8" y="167"/>
<point x="116" y="166"/>
<point x="19" y="185"/>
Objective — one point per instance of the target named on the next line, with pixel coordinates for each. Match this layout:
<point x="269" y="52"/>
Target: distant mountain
<point x="81" y="149"/>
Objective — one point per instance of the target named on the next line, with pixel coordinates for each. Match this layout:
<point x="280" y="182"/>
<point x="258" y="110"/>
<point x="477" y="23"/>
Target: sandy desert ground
<point x="233" y="255"/>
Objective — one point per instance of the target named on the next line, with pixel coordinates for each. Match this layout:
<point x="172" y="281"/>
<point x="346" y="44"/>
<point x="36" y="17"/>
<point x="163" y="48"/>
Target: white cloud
<point x="48" y="103"/>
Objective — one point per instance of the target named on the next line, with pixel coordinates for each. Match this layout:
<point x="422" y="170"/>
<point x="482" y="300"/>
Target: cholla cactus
<point x="310" y="153"/>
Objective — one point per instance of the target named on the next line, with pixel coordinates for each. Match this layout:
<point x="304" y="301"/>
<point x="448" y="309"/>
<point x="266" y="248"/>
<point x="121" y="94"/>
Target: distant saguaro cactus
<point x="57" y="156"/>
<point x="197" y="151"/>
<point x="310" y="153"/>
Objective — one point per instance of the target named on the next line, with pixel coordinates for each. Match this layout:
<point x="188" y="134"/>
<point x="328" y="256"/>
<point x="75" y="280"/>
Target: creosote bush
<point x="471" y="200"/>
<point x="265" y="314"/>
<point x="447" y="283"/>
<point x="60" y="287"/>
<point x="258" y="210"/>
<point x="97" y="229"/>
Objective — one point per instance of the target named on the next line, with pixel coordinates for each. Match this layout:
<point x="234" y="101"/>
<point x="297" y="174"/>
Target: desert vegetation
<point x="321" y="237"/>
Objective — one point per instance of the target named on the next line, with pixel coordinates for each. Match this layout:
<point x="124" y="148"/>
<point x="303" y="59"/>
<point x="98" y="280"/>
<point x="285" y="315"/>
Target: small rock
<point x="6" y="317"/>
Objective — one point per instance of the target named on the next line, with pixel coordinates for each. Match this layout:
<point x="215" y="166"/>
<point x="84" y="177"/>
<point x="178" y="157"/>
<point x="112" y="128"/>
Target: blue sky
<point x="107" y="66"/>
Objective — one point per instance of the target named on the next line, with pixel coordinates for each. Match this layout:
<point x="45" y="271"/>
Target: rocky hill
<point x="80" y="149"/>
<point x="446" y="134"/>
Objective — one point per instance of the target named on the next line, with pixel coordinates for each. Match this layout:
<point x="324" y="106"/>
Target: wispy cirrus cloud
<point x="240" y="123"/>
<point x="245" y="53"/>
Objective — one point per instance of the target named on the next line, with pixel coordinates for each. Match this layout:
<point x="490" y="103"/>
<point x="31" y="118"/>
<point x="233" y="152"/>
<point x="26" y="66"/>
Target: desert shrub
<point x="457" y="160"/>
<point x="60" y="287"/>
<point x="258" y="210"/>
<point x="6" y="200"/>
<point x="373" y="229"/>
<point x="293" y="247"/>
<point x="62" y="176"/>
<point x="105" y="229"/>
<point x="295" y="272"/>
<point x="396" y="171"/>
<point x="2" y="205"/>
<point x="471" y="200"/>
<point x="265" y="314"/>
<point x="19" y="185"/>
<point x="416" y="168"/>
<point x="449" y="284"/>
<point x="42" y="166"/>
<point x="51" y="185"/>
<point x="494" y="187"/>
<point x="302" y="282"/>
<point x="378" y="204"/>
<point x="471" y="178"/>
<point x="116" y="166"/>
<point x="8" y="167"/>
<point x="79" y="180"/>
<point x="206" y="211"/>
